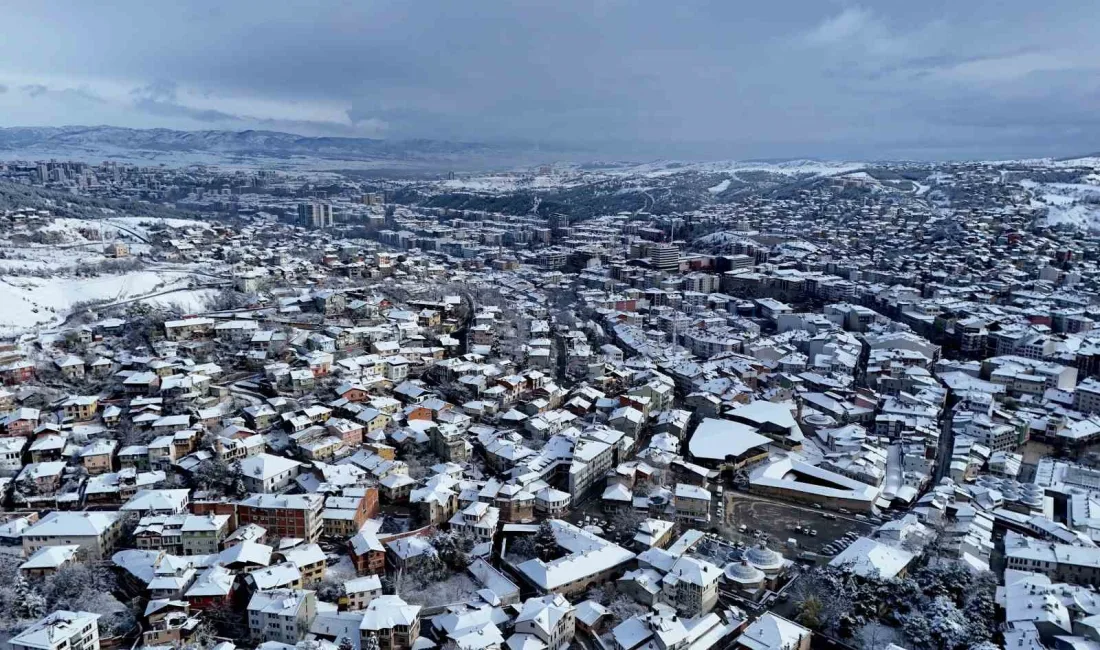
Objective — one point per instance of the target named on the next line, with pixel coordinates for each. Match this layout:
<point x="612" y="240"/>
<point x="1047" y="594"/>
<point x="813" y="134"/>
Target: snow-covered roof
<point x="867" y="557"/>
<point x="716" y="439"/>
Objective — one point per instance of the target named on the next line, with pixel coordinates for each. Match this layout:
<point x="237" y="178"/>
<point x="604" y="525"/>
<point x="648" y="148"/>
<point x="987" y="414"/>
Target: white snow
<point x="719" y="188"/>
<point x="1075" y="204"/>
<point x="35" y="302"/>
<point x="787" y="168"/>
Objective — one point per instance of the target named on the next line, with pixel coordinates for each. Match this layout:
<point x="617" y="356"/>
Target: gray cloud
<point x="698" y="78"/>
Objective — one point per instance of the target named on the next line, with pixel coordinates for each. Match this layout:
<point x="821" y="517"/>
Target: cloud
<point x="802" y="78"/>
<point x="77" y="95"/>
<point x="3" y="89"/>
<point x="848" y="24"/>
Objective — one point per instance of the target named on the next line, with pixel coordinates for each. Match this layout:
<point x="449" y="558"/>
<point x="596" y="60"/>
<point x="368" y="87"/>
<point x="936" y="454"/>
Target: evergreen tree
<point x="546" y="545"/>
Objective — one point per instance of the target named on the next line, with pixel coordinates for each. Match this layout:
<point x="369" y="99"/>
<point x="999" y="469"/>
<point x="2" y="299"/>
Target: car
<point x="817" y="506"/>
<point x="742" y="528"/>
<point x="829" y="515"/>
<point x="813" y="533"/>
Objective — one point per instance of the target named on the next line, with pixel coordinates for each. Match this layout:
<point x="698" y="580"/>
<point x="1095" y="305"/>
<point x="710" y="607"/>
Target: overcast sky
<point x="726" y="79"/>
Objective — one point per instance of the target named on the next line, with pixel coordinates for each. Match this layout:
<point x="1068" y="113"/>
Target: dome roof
<point x="743" y="573"/>
<point x="764" y="558"/>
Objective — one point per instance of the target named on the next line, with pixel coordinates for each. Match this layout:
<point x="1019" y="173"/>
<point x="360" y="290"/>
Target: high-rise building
<point x="316" y="214"/>
<point x="665" y="256"/>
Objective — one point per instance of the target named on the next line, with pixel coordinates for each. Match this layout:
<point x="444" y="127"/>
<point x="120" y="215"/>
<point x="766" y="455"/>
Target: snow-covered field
<point x="40" y="283"/>
<point x="719" y="188"/>
<point x="31" y="302"/>
<point x="1075" y="204"/>
<point x="499" y="183"/>
<point x="787" y="168"/>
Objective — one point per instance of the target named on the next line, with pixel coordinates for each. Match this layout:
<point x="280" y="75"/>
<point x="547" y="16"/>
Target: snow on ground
<point x="31" y="302"/>
<point x="188" y="300"/>
<point x="35" y="257"/>
<point x="1075" y="204"/>
<point x="507" y="182"/>
<point x="141" y="225"/>
<point x="719" y="188"/>
<point x="787" y="168"/>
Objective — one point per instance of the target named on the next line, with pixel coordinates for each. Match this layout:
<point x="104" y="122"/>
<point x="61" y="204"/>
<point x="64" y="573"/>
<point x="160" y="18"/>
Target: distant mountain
<point x="243" y="147"/>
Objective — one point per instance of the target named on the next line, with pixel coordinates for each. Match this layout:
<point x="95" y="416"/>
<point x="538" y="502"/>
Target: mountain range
<point x="145" y="146"/>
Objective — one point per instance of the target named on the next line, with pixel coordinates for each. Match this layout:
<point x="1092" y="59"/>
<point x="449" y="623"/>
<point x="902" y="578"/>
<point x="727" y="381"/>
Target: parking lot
<point x="778" y="520"/>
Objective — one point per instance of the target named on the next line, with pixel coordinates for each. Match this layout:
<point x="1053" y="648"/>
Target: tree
<point x="371" y="642"/>
<point x="546" y="544"/>
<point x="521" y="549"/>
<point x="346" y="644"/>
<point x="809" y="612"/>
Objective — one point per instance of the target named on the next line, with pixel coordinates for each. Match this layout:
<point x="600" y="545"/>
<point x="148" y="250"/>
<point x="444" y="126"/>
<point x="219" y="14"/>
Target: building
<point x="392" y="621"/>
<point x="589" y="560"/>
<point x="268" y="473"/>
<point x="691" y="586"/>
<point x="286" y="515"/>
<point x="665" y="257"/>
<point x="771" y="632"/>
<point x="550" y="619"/>
<point x="692" y="504"/>
<point x="96" y="533"/>
<point x="282" y="615"/>
<point x="316" y="214"/>
<point x="61" y="630"/>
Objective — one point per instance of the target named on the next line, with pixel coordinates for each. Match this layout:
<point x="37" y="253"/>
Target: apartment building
<point x="96" y="533"/>
<point x="61" y="630"/>
<point x="692" y="503"/>
<point x="691" y="586"/>
<point x="282" y="615"/>
<point x="286" y="515"/>
<point x="166" y="532"/>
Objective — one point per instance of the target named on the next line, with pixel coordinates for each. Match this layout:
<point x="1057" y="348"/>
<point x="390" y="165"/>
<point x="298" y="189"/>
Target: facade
<point x="282" y="615"/>
<point x="288" y="515"/>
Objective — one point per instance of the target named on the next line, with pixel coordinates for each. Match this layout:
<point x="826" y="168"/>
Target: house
<point x="548" y="620"/>
<point x="60" y="630"/>
<point x="71" y="367"/>
<point x="692" y="503"/>
<point x="393" y="622"/>
<point x="188" y="328"/>
<point x="159" y="502"/>
<point x="80" y="408"/>
<point x="267" y="473"/>
<point x="11" y="454"/>
<point x="691" y="586"/>
<point x="98" y="457"/>
<point x="870" y="558"/>
<point x="47" y="560"/>
<point x="309" y="560"/>
<point x="21" y="422"/>
<point x="213" y="588"/>
<point x="361" y="591"/>
<point x="282" y="615"/>
<point x="366" y="552"/>
<point x="772" y="632"/>
<point x="96" y="533"/>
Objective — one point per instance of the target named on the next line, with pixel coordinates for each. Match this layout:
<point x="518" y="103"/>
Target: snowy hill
<point x="95" y="143"/>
